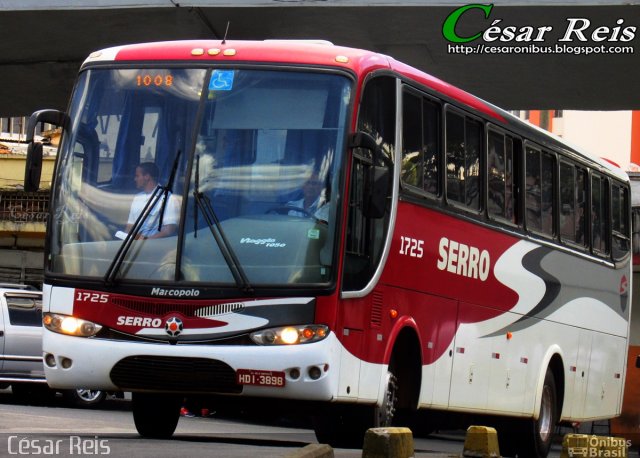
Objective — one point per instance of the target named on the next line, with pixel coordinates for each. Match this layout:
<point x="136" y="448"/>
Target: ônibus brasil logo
<point x="576" y="29"/>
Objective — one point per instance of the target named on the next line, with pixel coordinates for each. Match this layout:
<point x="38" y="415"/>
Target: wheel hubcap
<point x="546" y="414"/>
<point x="388" y="408"/>
<point x="88" y="395"/>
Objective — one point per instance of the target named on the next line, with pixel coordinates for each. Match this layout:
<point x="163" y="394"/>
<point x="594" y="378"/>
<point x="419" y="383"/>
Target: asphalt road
<point x="57" y="430"/>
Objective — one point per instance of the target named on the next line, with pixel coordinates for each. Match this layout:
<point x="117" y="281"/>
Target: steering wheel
<point x="285" y="209"/>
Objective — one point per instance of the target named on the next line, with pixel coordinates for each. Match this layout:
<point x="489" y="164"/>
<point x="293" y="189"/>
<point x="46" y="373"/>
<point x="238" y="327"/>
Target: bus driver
<point x="146" y="180"/>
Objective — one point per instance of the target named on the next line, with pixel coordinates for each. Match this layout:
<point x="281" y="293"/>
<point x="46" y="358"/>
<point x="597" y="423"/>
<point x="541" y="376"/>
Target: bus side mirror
<point x="376" y="192"/>
<point x="33" y="168"/>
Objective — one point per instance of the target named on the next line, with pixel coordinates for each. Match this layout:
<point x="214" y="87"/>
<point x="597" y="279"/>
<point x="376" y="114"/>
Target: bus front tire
<point x="344" y="426"/>
<point x="156" y="415"/>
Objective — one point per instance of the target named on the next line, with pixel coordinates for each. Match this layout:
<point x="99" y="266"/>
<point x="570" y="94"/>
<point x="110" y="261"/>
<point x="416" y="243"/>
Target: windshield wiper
<point x="158" y="193"/>
<point x="167" y="189"/>
<point x="118" y="259"/>
<point x="204" y="204"/>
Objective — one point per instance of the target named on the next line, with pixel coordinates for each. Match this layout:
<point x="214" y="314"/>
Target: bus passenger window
<point x="412" y="153"/>
<point x="567" y="202"/>
<point x="500" y="176"/>
<point x="620" y="221"/>
<point x="421" y="144"/>
<point x="431" y="146"/>
<point x="548" y="173"/>
<point x="532" y="198"/>
<point x="581" y="209"/>
<point x="540" y="173"/>
<point x="464" y="144"/>
<point x="599" y="238"/>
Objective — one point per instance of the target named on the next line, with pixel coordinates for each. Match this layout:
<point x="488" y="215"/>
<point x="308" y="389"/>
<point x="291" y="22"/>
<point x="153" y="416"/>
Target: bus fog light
<point x="294" y="373"/>
<point x="66" y="363"/>
<point x="50" y="360"/>
<point x="314" y="372"/>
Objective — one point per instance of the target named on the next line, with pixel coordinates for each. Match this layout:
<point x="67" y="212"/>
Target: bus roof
<point x="324" y="53"/>
<point x="307" y="52"/>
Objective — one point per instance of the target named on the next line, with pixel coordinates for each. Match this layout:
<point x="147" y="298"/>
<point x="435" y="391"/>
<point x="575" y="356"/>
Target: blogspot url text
<point x="535" y="49"/>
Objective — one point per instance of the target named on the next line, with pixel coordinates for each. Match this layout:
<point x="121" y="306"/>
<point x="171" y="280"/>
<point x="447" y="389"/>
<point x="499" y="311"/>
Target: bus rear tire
<point x="156" y="415"/>
<point x="535" y="436"/>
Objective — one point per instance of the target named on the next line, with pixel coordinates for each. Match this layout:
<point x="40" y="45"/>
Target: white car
<point x="21" y="364"/>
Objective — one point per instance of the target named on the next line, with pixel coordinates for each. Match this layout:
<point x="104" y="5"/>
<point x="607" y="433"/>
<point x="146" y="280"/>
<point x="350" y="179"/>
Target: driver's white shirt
<point x="150" y="226"/>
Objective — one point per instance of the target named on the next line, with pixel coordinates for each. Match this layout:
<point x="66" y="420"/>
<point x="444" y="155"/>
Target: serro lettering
<point x="465" y="260"/>
<point x="175" y="292"/>
<point x="145" y="322"/>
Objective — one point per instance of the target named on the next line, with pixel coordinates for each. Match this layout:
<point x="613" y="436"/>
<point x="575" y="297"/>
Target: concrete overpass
<point x="43" y="43"/>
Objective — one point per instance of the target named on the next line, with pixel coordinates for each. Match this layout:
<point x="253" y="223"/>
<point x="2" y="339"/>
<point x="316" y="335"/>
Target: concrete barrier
<point x="481" y="442"/>
<point x="389" y="442"/>
<point x="313" y="451"/>
<point x="588" y="445"/>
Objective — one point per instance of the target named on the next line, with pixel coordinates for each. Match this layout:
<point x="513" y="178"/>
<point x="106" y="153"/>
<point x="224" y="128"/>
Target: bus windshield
<point x="209" y="175"/>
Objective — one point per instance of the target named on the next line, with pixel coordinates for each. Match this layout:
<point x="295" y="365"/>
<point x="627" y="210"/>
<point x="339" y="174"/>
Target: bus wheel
<point x="537" y="434"/>
<point x="385" y="413"/>
<point x="156" y="415"/>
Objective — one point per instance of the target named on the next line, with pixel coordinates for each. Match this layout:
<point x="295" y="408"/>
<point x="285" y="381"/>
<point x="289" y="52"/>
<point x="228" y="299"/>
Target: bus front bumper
<point x="306" y="371"/>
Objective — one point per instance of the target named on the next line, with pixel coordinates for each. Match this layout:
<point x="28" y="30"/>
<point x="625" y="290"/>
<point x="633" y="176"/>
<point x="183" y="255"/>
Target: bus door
<point x="578" y="372"/>
<point x="471" y="363"/>
<point x="438" y="330"/>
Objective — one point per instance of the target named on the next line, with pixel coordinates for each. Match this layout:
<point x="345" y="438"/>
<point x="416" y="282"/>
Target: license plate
<point x="260" y="378"/>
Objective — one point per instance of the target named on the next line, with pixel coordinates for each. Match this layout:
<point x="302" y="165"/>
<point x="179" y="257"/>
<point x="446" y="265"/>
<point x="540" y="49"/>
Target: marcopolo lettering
<point x="175" y="292"/>
<point x="465" y="260"/>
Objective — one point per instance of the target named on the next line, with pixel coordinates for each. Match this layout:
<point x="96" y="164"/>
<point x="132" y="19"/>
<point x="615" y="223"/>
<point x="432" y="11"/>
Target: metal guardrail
<point x="24" y="207"/>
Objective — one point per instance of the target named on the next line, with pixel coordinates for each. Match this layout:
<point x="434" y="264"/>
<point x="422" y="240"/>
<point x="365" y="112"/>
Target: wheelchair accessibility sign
<point x="221" y="80"/>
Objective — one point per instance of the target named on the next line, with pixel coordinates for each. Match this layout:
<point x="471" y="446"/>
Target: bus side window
<point x="568" y="213"/>
<point x="581" y="206"/>
<point x="620" y="221"/>
<point x="464" y="146"/>
<point x="599" y="229"/>
<point x="421" y="144"/>
<point x="412" y="152"/>
<point x="539" y="201"/>
<point x="500" y="174"/>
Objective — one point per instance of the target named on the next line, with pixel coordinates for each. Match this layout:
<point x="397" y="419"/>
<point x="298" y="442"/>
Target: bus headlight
<point x="70" y="325"/>
<point x="290" y="335"/>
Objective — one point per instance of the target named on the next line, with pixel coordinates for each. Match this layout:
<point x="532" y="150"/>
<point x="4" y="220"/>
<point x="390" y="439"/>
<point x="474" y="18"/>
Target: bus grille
<point x="165" y="373"/>
<point x="163" y="308"/>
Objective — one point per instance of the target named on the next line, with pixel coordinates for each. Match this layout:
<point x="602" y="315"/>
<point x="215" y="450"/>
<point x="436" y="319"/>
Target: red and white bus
<point x="454" y="258"/>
